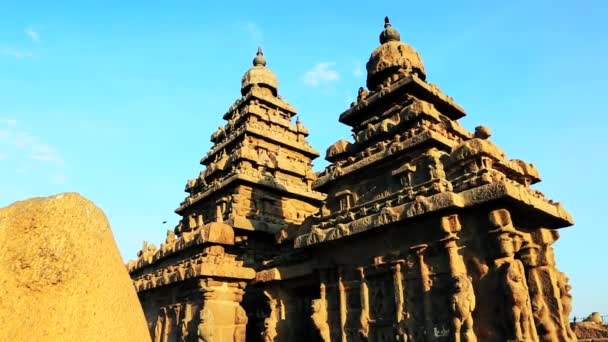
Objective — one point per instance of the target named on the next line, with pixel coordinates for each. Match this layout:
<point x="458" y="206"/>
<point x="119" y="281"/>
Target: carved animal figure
<point x="270" y="329"/>
<point x="517" y="301"/>
<point x="319" y="318"/>
<point x="463" y="304"/>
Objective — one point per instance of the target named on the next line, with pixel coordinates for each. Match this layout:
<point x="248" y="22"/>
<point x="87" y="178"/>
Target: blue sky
<point x="117" y="100"/>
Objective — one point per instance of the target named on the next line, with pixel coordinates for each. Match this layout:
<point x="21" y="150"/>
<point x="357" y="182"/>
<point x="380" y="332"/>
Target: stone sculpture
<point x="319" y="318"/>
<point x="463" y="305"/>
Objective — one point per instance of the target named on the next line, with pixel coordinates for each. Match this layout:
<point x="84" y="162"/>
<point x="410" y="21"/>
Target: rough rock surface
<point x="61" y="275"/>
<point x="590" y="331"/>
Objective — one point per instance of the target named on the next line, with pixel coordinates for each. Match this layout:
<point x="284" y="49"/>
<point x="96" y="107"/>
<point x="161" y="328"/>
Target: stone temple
<point x="418" y="230"/>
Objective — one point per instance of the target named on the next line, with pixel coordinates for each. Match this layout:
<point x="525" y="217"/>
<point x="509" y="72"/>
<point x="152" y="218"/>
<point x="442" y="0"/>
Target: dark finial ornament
<point x="389" y="33"/>
<point x="259" y="58"/>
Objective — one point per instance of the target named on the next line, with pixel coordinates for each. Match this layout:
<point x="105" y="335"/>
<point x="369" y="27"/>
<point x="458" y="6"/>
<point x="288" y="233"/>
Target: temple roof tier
<point x="408" y="84"/>
<point x="261" y="131"/>
<point x="538" y="210"/>
<point x="259" y="96"/>
<point x="254" y="177"/>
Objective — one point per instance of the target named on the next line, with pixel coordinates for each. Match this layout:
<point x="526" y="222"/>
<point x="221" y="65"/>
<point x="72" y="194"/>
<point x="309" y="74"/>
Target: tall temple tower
<point x="418" y="230"/>
<point x="257" y="180"/>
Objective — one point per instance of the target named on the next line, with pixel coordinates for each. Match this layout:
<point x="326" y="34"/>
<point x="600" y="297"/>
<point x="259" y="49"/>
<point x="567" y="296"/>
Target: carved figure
<point x="517" y="301"/>
<point x="319" y="318"/>
<point x="170" y="236"/>
<point x="240" y="322"/>
<point x="463" y="304"/>
<point x="270" y="329"/>
<point x="361" y="94"/>
<point x="545" y="326"/>
<point x="542" y="318"/>
<point x="158" y="327"/>
<point x="566" y="298"/>
<point x="205" y="326"/>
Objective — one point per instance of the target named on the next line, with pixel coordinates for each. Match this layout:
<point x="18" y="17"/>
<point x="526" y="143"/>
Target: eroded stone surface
<point x="61" y="275"/>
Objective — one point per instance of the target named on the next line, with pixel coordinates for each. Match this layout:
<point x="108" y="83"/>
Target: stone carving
<point x="206" y="326"/>
<point x="517" y="301"/>
<point x="240" y="322"/>
<point x="463" y="304"/>
<point x="270" y="329"/>
<point x="319" y="318"/>
<point x="545" y="327"/>
<point x="566" y="300"/>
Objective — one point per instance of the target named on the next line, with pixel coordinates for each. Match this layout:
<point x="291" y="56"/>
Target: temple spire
<point x="389" y="33"/>
<point x="259" y="59"/>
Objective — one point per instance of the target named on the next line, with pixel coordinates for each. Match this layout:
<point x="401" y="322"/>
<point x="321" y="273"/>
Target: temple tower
<point x="429" y="232"/>
<point x="256" y="181"/>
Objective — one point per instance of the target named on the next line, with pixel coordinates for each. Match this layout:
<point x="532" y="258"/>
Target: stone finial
<point x="482" y="132"/>
<point x="259" y="59"/>
<point x="389" y="33"/>
<point x="259" y="75"/>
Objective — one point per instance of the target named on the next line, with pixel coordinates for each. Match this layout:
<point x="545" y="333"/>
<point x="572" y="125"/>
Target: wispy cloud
<point x="358" y="69"/>
<point x="321" y="73"/>
<point x="33" y="34"/>
<point x="252" y="30"/>
<point x="15" y="53"/>
<point x="25" y="150"/>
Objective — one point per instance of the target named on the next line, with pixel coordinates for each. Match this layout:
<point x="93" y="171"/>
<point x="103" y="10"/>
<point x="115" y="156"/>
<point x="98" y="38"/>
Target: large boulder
<point x="61" y="275"/>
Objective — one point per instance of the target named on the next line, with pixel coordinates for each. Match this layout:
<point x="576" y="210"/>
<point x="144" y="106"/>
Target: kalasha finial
<point x="259" y="58"/>
<point x="389" y="33"/>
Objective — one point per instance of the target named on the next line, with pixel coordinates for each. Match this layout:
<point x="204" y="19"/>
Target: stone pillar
<point x="400" y="314"/>
<point x="462" y="294"/>
<point x="319" y="315"/>
<point x="221" y="317"/>
<point x="364" y="298"/>
<point x="518" y="322"/>
<point x="426" y="290"/>
<point x="343" y="308"/>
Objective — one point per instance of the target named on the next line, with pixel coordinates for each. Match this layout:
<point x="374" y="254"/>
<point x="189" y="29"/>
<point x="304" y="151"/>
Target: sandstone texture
<point x="61" y="275"/>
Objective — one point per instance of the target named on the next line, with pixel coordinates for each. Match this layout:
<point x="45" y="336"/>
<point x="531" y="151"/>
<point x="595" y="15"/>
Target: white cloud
<point x="19" y="54"/>
<point x="253" y="31"/>
<point x="321" y="73"/>
<point x="33" y="34"/>
<point x="25" y="146"/>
